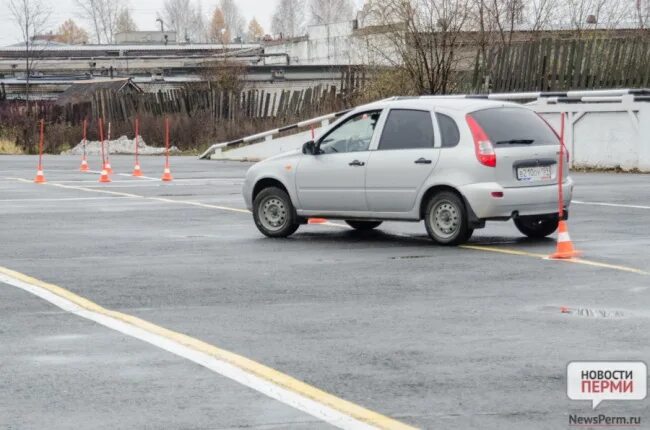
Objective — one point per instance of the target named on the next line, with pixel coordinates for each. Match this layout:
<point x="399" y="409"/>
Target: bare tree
<point x="421" y="38"/>
<point x="186" y="19"/>
<point x="604" y="14"/>
<point x="541" y="14"/>
<point x="642" y="13"/>
<point x="124" y="22"/>
<point x="103" y="15"/>
<point x="330" y="11"/>
<point x="234" y="20"/>
<point x="31" y="17"/>
<point x="289" y="18"/>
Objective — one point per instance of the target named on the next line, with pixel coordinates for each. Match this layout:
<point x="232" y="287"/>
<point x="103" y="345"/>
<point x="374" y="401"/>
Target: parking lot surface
<point x="468" y="337"/>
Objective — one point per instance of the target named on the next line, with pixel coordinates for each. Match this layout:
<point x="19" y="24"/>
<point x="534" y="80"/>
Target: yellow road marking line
<point x="333" y="224"/>
<point x="545" y="257"/>
<point x="361" y="418"/>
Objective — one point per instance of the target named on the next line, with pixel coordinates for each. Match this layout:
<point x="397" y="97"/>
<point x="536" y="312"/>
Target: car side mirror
<point x="309" y="148"/>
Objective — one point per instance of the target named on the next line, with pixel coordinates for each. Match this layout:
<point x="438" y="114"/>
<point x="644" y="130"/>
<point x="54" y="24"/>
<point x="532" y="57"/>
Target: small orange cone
<point x="565" y="249"/>
<point x="137" y="172"/>
<point x="104" y="178"/>
<point x="84" y="166"/>
<point x="317" y="221"/>
<point x="167" y="175"/>
<point x="108" y="168"/>
<point x="40" y="178"/>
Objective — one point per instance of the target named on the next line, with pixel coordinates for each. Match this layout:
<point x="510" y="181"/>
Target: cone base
<point x="104" y="177"/>
<point x="40" y="180"/>
<point x="565" y="255"/>
<point x="167" y="175"/>
<point x="84" y="168"/>
<point x="136" y="173"/>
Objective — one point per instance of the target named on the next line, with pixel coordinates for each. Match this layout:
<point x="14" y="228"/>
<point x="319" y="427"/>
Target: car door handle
<point x="423" y="161"/>
<point x="357" y="163"/>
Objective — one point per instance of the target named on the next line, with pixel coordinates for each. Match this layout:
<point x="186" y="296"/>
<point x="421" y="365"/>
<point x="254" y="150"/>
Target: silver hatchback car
<point x="454" y="163"/>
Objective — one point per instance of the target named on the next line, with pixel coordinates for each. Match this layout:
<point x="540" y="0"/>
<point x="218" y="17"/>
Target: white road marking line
<point x="613" y="205"/>
<point x="64" y="199"/>
<point x="324" y="406"/>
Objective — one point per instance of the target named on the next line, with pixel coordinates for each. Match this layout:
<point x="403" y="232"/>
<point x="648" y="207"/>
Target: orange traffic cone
<point x="84" y="166"/>
<point x="137" y="172"/>
<point x="565" y="249"/>
<point x="40" y="178"/>
<point x="108" y="168"/>
<point x="104" y="177"/>
<point x="167" y="175"/>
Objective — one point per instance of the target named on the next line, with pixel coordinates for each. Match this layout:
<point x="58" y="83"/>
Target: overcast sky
<point x="144" y="13"/>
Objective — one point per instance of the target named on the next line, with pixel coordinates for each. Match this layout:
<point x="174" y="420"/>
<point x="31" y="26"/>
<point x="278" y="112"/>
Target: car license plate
<point x="533" y="174"/>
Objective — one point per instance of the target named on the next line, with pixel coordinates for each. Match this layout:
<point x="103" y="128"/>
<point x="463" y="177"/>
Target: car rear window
<point x="515" y="126"/>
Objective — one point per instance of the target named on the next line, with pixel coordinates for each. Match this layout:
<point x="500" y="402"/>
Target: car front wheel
<point x="536" y="228"/>
<point x="446" y="219"/>
<point x="274" y="213"/>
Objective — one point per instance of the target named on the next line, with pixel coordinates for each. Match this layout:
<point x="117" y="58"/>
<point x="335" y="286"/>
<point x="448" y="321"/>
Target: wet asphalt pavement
<point x="434" y="337"/>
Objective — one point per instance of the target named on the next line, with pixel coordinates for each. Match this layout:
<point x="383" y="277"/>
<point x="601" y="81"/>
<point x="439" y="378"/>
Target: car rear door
<point x="333" y="180"/>
<point x="526" y="147"/>
<point x="405" y="157"/>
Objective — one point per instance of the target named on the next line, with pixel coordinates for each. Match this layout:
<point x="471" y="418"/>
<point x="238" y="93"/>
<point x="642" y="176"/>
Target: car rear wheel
<point x="274" y="213"/>
<point x="536" y="228"/>
<point x="446" y="219"/>
<point x="364" y="225"/>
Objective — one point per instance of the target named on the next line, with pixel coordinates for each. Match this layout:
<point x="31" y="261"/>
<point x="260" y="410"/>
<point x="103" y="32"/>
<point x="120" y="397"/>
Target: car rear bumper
<point x="521" y="201"/>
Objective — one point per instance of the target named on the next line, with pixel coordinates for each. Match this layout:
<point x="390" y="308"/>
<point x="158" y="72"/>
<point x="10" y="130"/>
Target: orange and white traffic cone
<point x="84" y="166"/>
<point x="565" y="249"/>
<point x="104" y="178"/>
<point x="108" y="167"/>
<point x="167" y="175"/>
<point x="40" y="177"/>
<point x="137" y="171"/>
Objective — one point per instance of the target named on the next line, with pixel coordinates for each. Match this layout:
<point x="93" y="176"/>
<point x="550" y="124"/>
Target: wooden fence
<point x="221" y="105"/>
<point x="559" y="65"/>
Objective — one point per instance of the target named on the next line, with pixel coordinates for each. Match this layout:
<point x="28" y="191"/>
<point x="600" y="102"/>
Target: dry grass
<point x="9" y="147"/>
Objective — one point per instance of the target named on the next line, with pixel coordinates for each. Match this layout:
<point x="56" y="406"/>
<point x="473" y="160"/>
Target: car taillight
<point x="482" y="145"/>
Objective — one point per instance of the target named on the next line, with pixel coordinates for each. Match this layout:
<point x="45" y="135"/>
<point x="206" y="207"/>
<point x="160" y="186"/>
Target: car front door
<point x="333" y="179"/>
<point x="405" y="157"/>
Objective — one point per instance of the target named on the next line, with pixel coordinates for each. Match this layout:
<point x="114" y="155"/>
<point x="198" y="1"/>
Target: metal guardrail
<point x="273" y="132"/>
<point x="579" y="96"/>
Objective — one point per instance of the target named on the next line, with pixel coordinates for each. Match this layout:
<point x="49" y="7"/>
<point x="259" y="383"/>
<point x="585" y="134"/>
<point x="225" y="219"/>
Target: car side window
<point x="450" y="135"/>
<point x="407" y="129"/>
<point x="354" y="135"/>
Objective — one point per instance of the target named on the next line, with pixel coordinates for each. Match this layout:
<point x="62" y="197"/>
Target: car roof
<point x="462" y="105"/>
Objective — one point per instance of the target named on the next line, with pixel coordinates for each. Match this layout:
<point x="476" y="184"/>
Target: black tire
<point x="274" y="214"/>
<point x="449" y="210"/>
<point x="364" y="225"/>
<point x="536" y="228"/>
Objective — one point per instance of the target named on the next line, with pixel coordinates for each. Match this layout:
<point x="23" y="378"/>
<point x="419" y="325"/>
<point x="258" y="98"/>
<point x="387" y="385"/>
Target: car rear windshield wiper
<point x="516" y="142"/>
